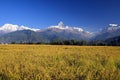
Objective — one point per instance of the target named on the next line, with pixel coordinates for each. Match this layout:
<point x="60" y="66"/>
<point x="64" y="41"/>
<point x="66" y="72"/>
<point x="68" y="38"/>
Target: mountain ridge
<point x="7" y="28"/>
<point x="14" y="33"/>
<point x="112" y="30"/>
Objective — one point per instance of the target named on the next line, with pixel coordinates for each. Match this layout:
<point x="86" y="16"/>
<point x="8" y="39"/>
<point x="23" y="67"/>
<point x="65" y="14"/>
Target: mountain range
<point x="113" y="30"/>
<point x="13" y="33"/>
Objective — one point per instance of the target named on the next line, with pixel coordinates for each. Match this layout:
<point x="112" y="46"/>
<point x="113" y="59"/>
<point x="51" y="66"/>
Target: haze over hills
<point x="14" y="33"/>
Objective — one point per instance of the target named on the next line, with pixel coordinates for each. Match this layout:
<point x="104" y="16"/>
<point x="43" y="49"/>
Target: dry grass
<point x="46" y="62"/>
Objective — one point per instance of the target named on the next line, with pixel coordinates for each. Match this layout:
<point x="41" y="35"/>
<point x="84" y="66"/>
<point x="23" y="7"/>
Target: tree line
<point x="69" y="42"/>
<point x="76" y="42"/>
<point x="115" y="42"/>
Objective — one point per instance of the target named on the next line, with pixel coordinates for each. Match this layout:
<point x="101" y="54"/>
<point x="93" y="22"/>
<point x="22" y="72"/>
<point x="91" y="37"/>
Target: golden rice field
<point x="48" y="62"/>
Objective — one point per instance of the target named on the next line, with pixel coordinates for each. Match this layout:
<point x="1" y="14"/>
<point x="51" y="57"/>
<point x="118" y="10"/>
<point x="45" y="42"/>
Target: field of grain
<point x="47" y="62"/>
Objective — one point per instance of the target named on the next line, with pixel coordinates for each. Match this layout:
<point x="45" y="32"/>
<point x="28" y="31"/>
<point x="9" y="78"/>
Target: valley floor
<point x="52" y="62"/>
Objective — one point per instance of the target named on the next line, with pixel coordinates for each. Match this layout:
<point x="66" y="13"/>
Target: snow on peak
<point x="10" y="28"/>
<point x="113" y="27"/>
<point x="63" y="27"/>
<point x="79" y="29"/>
<point x="60" y="24"/>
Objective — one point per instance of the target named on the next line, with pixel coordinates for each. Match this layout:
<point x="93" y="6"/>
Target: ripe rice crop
<point x="52" y="62"/>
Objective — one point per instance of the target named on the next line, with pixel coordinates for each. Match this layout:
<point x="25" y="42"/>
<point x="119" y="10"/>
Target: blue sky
<point x="91" y="15"/>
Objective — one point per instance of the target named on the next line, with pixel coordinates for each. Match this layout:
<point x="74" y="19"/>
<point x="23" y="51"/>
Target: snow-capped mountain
<point x="6" y="28"/>
<point x="112" y="27"/>
<point x="113" y="30"/>
<point x="15" y="33"/>
<point x="63" y="27"/>
<point x="63" y="32"/>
